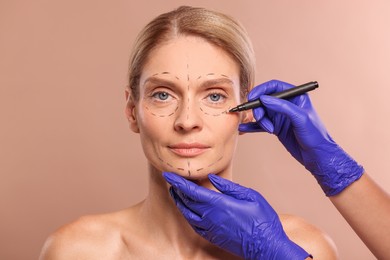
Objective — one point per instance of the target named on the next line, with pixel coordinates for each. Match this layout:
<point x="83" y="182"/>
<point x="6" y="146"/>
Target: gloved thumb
<point x="232" y="189"/>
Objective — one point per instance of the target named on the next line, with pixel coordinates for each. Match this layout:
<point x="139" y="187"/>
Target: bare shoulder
<point x="89" y="237"/>
<point x="309" y="237"/>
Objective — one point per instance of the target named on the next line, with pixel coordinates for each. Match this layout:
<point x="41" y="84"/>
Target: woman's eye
<point x="161" y="95"/>
<point x="216" y="97"/>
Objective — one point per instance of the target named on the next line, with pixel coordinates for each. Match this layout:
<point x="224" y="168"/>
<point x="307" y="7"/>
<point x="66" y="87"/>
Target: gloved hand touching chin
<point x="300" y="130"/>
<point x="238" y="219"/>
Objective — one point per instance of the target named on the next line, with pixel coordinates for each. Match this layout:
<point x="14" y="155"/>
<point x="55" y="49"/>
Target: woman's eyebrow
<point x="218" y="81"/>
<point x="158" y="81"/>
<point x="204" y="85"/>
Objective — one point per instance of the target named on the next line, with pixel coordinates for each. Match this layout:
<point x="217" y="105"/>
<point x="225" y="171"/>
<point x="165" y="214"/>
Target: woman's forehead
<point x="189" y="57"/>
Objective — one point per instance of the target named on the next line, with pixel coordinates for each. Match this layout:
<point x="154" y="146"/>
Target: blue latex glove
<point x="300" y="130"/>
<point x="238" y="219"/>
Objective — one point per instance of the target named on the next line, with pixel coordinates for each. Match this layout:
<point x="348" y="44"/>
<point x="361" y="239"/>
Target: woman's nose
<point x="188" y="117"/>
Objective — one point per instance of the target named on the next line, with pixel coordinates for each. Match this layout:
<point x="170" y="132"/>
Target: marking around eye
<point x="156" y="115"/>
<point x="206" y="113"/>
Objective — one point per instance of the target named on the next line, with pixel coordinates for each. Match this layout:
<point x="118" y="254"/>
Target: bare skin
<point x="185" y="140"/>
<point x="366" y="207"/>
<point x="155" y="229"/>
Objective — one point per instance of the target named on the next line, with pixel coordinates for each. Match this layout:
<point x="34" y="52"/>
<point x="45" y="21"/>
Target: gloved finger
<point x="196" y="219"/>
<point x="232" y="189"/>
<point x="250" y="127"/>
<point x="264" y="125"/>
<point x="295" y="113"/>
<point x="268" y="88"/>
<point x="263" y="121"/>
<point x="192" y="217"/>
<point x="191" y="190"/>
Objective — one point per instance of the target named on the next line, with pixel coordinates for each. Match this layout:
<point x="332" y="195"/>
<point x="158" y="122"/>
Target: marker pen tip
<point x="234" y="109"/>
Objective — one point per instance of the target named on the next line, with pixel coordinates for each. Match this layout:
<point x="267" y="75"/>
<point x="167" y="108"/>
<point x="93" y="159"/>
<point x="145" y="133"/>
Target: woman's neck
<point x="161" y="215"/>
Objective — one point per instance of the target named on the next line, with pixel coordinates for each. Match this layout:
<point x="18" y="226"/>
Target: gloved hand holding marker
<point x="300" y="130"/>
<point x="285" y="94"/>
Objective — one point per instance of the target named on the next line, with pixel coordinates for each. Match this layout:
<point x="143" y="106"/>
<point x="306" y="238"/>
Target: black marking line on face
<point x="215" y="162"/>
<point x="204" y="112"/>
<point x="188" y="90"/>
<point x="219" y="113"/>
<point x="154" y="114"/>
<point x="188" y="108"/>
<point x="170" y="165"/>
<point x="177" y="107"/>
<point x="167" y="163"/>
<point x="165" y="73"/>
<point x="188" y="72"/>
<point x="210" y="164"/>
<point x="188" y="165"/>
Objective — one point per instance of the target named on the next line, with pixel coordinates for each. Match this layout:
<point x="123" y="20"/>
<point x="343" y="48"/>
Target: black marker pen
<point x="288" y="93"/>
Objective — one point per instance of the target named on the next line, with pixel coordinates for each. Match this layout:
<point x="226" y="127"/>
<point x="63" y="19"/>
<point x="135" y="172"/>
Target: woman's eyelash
<point x="162" y="95"/>
<point x="216" y="96"/>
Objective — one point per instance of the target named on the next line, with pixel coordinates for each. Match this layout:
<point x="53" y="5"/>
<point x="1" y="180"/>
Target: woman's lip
<point x="188" y="149"/>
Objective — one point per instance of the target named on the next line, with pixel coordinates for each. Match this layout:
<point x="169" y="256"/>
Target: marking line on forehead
<point x="213" y="74"/>
<point x="188" y="72"/>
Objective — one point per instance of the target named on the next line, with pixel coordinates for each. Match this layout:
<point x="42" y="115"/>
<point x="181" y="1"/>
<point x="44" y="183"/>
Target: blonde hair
<point x="218" y="29"/>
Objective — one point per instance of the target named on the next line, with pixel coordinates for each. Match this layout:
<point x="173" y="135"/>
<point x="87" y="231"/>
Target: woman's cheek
<point x="227" y="128"/>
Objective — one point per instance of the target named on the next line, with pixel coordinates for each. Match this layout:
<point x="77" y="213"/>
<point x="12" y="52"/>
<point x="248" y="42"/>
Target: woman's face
<point x="186" y="87"/>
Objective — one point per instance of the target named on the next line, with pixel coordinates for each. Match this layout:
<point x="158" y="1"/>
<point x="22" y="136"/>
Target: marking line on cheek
<point x="215" y="162"/>
<point x="170" y="165"/>
<point x="154" y="114"/>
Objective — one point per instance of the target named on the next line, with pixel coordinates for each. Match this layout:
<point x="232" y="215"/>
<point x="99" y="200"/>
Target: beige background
<point x="65" y="147"/>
